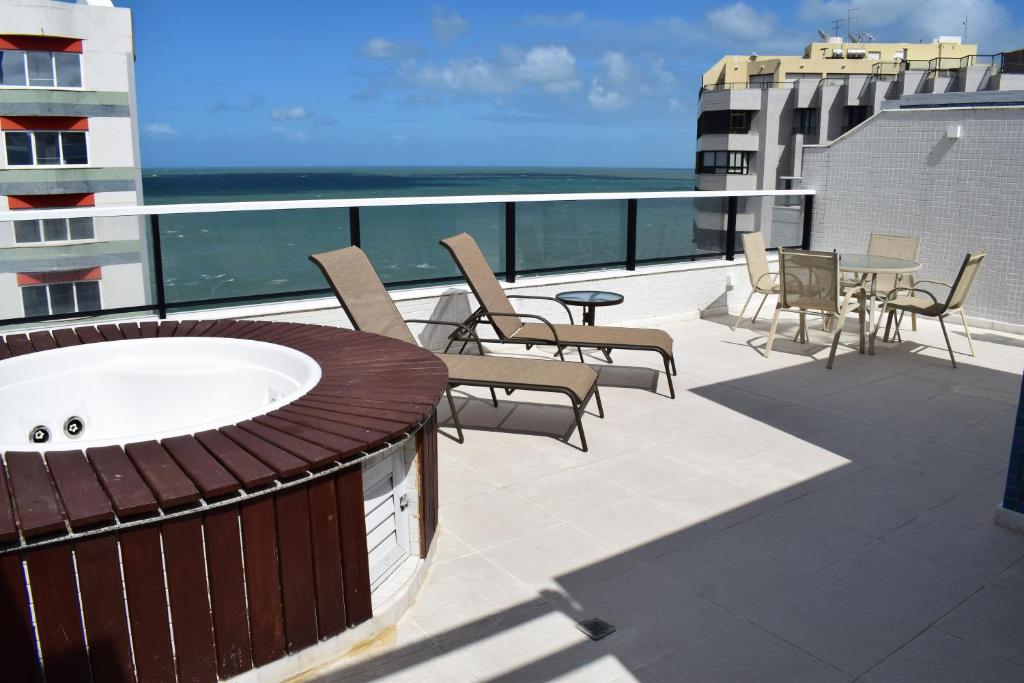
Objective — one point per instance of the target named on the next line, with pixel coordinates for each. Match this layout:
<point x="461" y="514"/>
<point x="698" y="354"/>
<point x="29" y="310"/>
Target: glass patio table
<point x="870" y="267"/>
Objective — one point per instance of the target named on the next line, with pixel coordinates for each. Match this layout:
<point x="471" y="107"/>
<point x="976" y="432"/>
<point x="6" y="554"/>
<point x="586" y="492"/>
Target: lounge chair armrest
<point x="544" y="298"/>
<point x="460" y="326"/>
<point x="766" y="275"/>
<point x="554" y="334"/>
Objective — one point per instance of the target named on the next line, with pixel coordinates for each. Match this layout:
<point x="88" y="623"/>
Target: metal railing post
<point x="510" y="241"/>
<point x="730" y="230"/>
<point x="158" y="266"/>
<point x="355" y="237"/>
<point x="631" y="234"/>
<point x="805" y="241"/>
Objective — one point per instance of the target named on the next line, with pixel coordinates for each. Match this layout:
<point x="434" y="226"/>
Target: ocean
<point x="266" y="253"/>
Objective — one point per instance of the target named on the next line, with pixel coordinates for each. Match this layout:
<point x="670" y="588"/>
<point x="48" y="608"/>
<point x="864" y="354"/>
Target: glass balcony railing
<point x="174" y="258"/>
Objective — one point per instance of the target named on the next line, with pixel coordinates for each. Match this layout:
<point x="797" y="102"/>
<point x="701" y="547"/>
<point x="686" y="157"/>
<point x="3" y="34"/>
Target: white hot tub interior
<point x="141" y="389"/>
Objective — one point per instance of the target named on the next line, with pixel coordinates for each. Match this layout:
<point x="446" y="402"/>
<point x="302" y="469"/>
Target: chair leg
<point x="888" y="325"/>
<point x="455" y="416"/>
<point x="579" y="425"/>
<point x="896" y="336"/>
<point x="668" y="375"/>
<point x="949" y="346"/>
<point x="558" y="352"/>
<point x="494" y="397"/>
<point x="967" y="329"/>
<point x="580" y="350"/>
<point x="597" y="397"/>
<point x="673" y="359"/>
<point x="835" y="339"/>
<point x="771" y="333"/>
<point x="758" y="311"/>
<point x="913" y="322"/>
<point x="743" y="310"/>
<point x="860" y="317"/>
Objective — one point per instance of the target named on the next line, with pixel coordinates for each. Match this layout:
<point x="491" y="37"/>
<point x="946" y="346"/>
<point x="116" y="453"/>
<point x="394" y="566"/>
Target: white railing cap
<point x="290" y="204"/>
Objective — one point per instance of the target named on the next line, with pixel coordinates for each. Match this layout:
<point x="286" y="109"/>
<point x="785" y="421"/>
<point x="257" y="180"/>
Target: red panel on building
<point x="50" y="201"/>
<point x="47" y="43"/>
<point x="57" y="277"/>
<point x="43" y="123"/>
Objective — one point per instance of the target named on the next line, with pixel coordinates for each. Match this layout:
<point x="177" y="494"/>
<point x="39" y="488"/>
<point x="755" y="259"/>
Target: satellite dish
<point x="866" y="37"/>
<point x="824" y="36"/>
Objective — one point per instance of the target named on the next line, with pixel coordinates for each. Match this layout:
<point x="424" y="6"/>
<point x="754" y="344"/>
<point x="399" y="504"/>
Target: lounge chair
<point x="922" y="302"/>
<point x="508" y="324"/>
<point x="370" y="308"/>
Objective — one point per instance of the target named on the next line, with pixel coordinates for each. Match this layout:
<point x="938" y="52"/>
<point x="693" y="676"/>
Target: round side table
<point x="589" y="300"/>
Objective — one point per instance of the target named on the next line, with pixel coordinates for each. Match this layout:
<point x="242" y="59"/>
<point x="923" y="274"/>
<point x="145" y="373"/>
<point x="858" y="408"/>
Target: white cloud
<point x="296" y="136"/>
<point x="159" y="129"/>
<point x="990" y="23"/>
<point x="473" y="75"/>
<point x="742" y="21"/>
<point x="602" y="99"/>
<point x="675" y="105"/>
<point x="662" y="74"/>
<point x="616" y="66"/>
<point x="553" y="67"/>
<point x="447" y="25"/>
<point x="379" y="48"/>
<point x="289" y="114"/>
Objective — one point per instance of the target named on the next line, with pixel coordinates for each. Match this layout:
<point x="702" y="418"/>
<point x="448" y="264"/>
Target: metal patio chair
<point x="923" y="302"/>
<point x="809" y="284"/>
<point x="762" y="280"/>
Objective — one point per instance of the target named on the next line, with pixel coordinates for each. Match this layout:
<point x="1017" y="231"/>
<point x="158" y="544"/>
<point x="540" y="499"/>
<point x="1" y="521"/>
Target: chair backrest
<point x="362" y="294"/>
<point x="486" y="288"/>
<point x="809" y="279"/>
<point x="894" y="246"/>
<point x="965" y="280"/>
<point x="757" y="259"/>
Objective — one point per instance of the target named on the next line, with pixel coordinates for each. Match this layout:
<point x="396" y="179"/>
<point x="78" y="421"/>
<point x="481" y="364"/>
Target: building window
<point x="855" y="116"/>
<point x="723" y="162"/>
<point x="37" y="69"/>
<point x="53" y="230"/>
<point x="834" y="79"/>
<point x="61" y="298"/>
<point x="806" y="120"/>
<point x="46" y="148"/>
<point x="723" y="122"/>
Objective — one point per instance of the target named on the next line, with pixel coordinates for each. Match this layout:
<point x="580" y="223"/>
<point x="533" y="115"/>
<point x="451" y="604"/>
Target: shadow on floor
<point x="873" y="524"/>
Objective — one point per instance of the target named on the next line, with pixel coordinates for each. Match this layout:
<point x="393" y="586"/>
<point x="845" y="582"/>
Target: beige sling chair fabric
<point x="762" y="280"/>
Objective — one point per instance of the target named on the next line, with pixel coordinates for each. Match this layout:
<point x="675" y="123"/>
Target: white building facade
<point x="70" y="138"/>
<point x="756" y="113"/>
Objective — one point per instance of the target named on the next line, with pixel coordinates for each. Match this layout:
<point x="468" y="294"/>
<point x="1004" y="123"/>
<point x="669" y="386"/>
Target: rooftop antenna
<point x="836" y="24"/>
<point x="851" y="14"/>
<point x="965" y="27"/>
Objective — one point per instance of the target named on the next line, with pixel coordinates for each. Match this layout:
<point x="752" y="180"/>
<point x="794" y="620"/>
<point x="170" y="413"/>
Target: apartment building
<point x="70" y="139"/>
<point x="757" y="112"/>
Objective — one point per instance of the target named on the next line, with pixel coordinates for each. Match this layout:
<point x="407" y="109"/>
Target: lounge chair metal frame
<point x="482" y="315"/>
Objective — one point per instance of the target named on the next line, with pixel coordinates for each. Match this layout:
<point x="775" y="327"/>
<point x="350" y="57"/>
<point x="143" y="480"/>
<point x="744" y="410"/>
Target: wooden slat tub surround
<point x="283" y="568"/>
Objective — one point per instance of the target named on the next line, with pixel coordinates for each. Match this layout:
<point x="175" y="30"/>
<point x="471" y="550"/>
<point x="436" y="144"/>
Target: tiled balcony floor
<point x="777" y="522"/>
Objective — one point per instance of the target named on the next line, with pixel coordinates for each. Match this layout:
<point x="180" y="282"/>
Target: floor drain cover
<point x="596" y="629"/>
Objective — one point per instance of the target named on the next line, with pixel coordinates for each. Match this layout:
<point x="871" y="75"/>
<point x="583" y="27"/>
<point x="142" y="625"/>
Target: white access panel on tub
<point x="387" y="516"/>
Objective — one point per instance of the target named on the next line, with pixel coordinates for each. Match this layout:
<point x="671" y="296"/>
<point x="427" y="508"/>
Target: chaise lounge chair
<point x="370" y="308"/>
<point x="496" y="309"/>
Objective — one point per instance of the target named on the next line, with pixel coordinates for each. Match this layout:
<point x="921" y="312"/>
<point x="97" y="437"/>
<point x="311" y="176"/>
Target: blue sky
<point x="613" y="84"/>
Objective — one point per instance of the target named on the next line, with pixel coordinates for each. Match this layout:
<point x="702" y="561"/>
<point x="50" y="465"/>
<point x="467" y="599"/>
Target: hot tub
<point x="134" y="390"/>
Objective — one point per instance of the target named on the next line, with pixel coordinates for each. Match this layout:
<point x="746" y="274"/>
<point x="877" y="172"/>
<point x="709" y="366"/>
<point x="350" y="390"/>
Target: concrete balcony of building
<point x="733" y="142"/>
<point x="726" y="181"/>
<point x="731" y="97"/>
